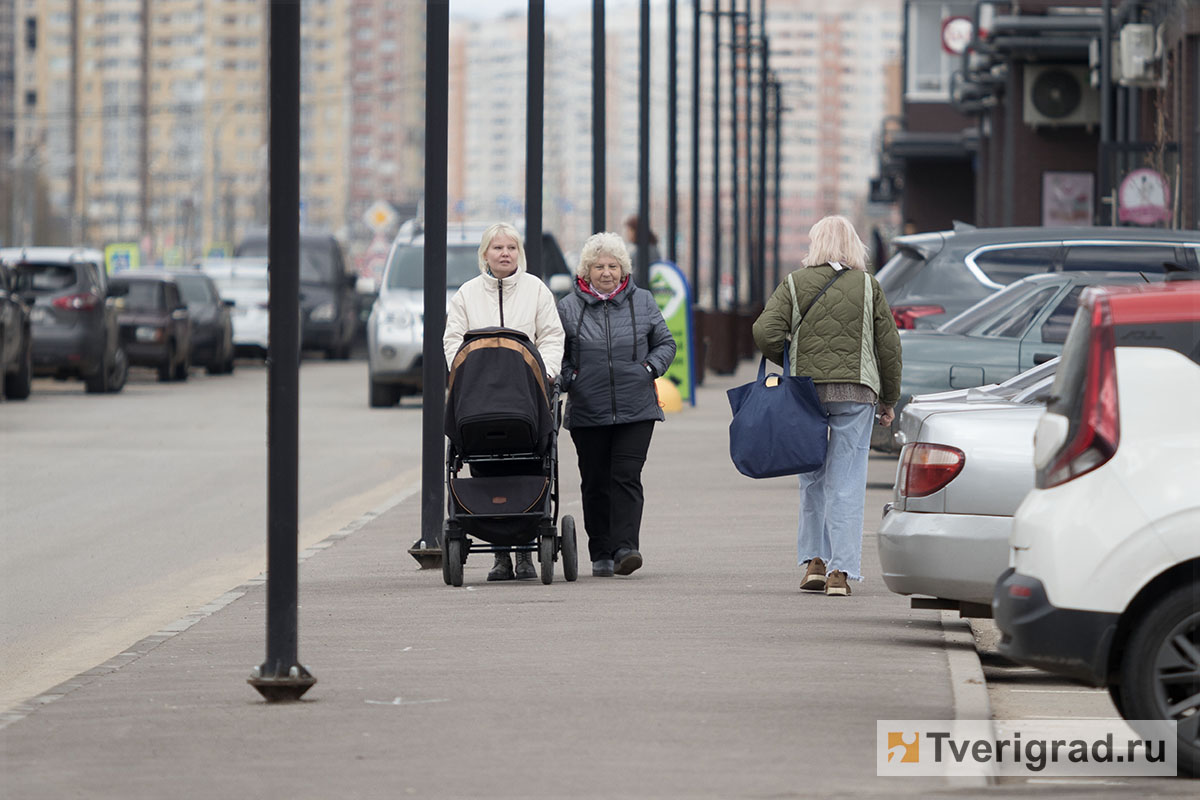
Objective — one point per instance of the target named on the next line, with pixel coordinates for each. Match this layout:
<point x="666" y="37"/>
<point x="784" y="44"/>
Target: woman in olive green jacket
<point x="848" y="344"/>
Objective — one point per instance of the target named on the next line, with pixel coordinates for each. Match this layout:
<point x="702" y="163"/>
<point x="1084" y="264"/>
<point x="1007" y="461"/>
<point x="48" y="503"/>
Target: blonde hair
<point x="500" y="229"/>
<point x="605" y="243"/>
<point x="832" y="239"/>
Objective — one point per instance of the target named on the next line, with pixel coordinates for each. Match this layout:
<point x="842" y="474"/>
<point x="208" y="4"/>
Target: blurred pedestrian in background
<point x="617" y="344"/>
<point x="507" y="296"/>
<point x="632" y="226"/>
<point x="848" y="344"/>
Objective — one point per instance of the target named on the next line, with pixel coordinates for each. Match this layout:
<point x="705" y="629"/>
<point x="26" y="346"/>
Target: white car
<point x="967" y="465"/>
<point x="396" y="325"/>
<point x="245" y="282"/>
<point x="1104" y="582"/>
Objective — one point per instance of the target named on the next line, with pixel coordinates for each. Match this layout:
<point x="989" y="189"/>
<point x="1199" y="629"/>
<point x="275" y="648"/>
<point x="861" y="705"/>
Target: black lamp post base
<point x="282" y="687"/>
<point x="428" y="557"/>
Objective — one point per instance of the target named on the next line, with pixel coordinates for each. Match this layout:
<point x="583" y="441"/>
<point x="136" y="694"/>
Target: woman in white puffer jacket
<point x="505" y="295"/>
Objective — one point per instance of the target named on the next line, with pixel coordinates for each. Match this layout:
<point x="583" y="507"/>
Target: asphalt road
<point x="121" y="513"/>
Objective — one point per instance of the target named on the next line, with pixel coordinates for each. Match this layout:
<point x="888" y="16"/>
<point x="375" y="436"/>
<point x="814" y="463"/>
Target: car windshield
<point x="316" y="265"/>
<point x="195" y="290"/>
<point x="144" y="296"/>
<point x="407" y="267"/>
<point x="43" y="278"/>
<point x="1005" y="306"/>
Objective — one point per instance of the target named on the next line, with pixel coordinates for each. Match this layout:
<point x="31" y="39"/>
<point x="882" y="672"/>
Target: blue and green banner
<point x="670" y="289"/>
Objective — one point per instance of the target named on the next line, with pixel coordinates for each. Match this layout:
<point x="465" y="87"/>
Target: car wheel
<point x="167" y="365"/>
<point x="1160" y="671"/>
<point x="119" y="372"/>
<point x="181" y="369"/>
<point x="229" y="352"/>
<point x="17" y="385"/>
<point x="383" y="395"/>
<point x="97" y="382"/>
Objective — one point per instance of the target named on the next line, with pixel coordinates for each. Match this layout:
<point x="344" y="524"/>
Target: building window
<point x="31" y="33"/>
<point x="929" y="64"/>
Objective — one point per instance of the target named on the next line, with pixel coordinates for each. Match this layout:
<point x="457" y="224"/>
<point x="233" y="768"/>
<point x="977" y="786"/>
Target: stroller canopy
<point x="498" y="402"/>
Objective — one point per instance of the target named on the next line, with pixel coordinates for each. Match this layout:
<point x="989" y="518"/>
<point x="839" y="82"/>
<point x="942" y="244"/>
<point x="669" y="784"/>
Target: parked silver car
<point x="966" y="466"/>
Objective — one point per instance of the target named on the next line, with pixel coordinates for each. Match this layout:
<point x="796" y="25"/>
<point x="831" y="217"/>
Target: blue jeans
<point x="831" y="498"/>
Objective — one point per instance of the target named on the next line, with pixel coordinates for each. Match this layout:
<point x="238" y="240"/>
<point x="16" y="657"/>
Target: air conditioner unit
<point x="1060" y="95"/>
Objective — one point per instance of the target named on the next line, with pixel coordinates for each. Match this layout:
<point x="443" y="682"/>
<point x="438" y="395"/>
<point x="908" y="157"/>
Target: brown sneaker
<point x="814" y="576"/>
<point x="837" y="585"/>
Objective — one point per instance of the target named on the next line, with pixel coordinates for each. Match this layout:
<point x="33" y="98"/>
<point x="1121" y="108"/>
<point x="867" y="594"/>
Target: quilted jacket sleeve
<point x="773" y="327"/>
<point x="887" y="348"/>
<point x="661" y="342"/>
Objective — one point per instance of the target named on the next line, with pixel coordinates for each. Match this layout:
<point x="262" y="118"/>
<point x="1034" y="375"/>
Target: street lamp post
<point x="599" y="212"/>
<point x="694" y="244"/>
<point x="760" y="259"/>
<point x="281" y="676"/>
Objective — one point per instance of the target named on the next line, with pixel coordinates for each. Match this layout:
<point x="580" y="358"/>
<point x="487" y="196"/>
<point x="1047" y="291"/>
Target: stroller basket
<point x="500" y="496"/>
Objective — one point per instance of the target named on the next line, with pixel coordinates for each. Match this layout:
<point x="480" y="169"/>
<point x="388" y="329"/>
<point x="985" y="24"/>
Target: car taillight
<point x="1099" y="428"/>
<point x="906" y="316"/>
<point x="926" y="468"/>
<point x="76" y="302"/>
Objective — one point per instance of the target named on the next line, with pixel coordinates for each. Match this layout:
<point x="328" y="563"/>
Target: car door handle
<point x="1042" y="358"/>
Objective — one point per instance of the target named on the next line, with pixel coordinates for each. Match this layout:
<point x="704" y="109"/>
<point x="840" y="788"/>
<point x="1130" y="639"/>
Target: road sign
<point x="380" y="216"/>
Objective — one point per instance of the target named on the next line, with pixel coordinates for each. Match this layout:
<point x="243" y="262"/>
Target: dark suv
<point x="16" y="339"/>
<point x="74" y="324"/>
<point x="934" y="276"/>
<point x="156" y="329"/>
<point x="328" y="297"/>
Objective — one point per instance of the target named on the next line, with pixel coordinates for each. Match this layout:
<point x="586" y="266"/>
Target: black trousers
<point x="610" y="469"/>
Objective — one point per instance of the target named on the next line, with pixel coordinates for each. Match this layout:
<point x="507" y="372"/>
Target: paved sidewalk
<point x="705" y="674"/>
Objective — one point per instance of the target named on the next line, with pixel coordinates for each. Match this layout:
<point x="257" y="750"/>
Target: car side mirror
<point x="180" y="312"/>
<point x="351" y="280"/>
<point x="560" y="283"/>
<point x="228" y="303"/>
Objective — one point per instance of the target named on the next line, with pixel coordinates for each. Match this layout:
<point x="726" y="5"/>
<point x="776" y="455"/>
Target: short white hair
<point x="833" y="238"/>
<point x="605" y="243"/>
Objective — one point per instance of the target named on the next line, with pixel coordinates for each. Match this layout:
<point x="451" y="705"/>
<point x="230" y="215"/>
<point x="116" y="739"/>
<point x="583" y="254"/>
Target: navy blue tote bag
<point x="779" y="426"/>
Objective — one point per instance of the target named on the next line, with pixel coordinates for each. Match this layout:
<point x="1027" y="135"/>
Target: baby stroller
<point x="502" y="420"/>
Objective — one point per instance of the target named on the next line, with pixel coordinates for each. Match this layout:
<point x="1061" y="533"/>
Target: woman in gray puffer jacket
<point x="617" y="344"/>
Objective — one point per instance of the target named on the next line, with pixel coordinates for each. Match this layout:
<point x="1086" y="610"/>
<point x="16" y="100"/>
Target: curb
<point x="969" y="687"/>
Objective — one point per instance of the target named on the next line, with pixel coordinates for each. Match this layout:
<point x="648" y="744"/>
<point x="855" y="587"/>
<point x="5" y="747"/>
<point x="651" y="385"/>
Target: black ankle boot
<point x="502" y="570"/>
<point x="525" y="568"/>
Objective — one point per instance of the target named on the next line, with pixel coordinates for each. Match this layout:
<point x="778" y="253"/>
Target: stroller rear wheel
<point x="569" y="548"/>
<point x="452" y="562"/>
<point x="546" y="556"/>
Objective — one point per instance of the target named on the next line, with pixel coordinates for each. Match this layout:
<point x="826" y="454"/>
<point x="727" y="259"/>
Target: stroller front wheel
<point x="546" y="556"/>
<point x="569" y="548"/>
<point x="452" y="562"/>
